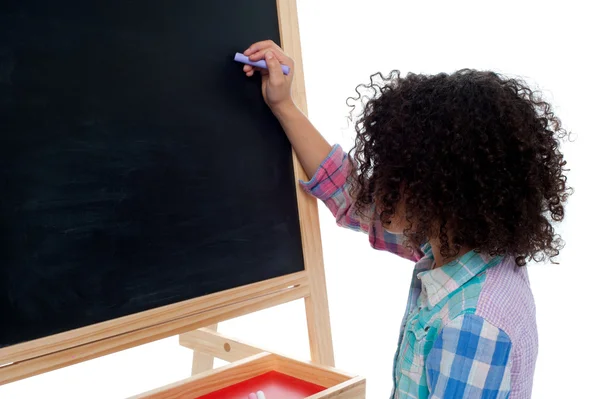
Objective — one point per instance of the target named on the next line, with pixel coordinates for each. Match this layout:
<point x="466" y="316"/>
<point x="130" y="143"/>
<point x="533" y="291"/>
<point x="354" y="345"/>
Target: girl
<point x="462" y="174"/>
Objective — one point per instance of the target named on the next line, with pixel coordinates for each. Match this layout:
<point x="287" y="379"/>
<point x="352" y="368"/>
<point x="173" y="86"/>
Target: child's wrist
<point x="285" y="109"/>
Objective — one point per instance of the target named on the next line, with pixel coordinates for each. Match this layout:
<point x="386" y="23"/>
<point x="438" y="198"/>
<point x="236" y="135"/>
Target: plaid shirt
<point x="469" y="330"/>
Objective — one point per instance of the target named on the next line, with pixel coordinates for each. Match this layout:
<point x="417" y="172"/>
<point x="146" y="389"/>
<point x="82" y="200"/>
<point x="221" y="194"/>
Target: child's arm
<point x="310" y="147"/>
<point x="330" y="185"/>
<point x="329" y="167"/>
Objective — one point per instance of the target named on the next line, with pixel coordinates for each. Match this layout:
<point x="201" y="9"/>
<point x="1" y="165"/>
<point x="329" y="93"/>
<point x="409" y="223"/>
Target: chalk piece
<point x="239" y="57"/>
<point x="260" y="395"/>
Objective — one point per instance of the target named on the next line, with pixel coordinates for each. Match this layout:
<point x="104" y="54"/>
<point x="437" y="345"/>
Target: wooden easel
<point x="71" y="347"/>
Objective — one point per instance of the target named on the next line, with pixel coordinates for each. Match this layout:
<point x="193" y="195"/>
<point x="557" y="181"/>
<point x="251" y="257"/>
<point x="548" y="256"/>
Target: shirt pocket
<point x="412" y="362"/>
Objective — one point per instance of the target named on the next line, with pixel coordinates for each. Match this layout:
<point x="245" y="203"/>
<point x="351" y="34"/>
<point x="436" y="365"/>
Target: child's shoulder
<point x="501" y="295"/>
<point x="506" y="299"/>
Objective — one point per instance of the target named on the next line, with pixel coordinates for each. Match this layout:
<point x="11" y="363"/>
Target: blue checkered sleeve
<point x="470" y="358"/>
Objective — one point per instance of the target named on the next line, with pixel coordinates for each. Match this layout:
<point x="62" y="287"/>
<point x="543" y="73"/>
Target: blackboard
<point x="138" y="166"/>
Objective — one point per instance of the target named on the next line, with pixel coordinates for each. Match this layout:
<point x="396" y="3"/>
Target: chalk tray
<point x="277" y="376"/>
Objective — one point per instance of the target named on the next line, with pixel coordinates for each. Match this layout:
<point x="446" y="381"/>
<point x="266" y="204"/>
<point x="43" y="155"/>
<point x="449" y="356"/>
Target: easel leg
<point x="317" y="308"/>
<point x="202" y="361"/>
<point x="319" y="325"/>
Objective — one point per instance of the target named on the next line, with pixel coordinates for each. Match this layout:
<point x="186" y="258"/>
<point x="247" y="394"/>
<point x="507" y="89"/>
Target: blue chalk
<point x="239" y="57"/>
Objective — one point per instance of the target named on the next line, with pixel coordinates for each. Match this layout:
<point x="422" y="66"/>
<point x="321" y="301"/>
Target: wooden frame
<point x="71" y="347"/>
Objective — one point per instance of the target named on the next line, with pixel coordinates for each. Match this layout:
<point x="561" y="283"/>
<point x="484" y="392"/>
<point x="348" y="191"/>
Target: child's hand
<point x="276" y="87"/>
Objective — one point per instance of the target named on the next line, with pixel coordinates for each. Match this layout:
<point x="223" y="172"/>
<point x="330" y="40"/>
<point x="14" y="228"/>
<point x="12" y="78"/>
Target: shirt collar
<point x="440" y="282"/>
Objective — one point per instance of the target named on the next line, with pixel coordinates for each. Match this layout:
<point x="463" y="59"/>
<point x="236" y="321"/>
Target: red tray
<point x="274" y="385"/>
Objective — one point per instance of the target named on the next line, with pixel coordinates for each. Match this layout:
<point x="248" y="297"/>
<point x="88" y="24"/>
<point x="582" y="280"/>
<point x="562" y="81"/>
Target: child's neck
<point x="438" y="259"/>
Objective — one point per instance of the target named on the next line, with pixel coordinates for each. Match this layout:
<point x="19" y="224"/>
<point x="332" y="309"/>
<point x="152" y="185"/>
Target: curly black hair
<point x="473" y="156"/>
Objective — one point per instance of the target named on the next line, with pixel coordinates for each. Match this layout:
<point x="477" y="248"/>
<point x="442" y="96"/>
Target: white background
<point x="550" y="44"/>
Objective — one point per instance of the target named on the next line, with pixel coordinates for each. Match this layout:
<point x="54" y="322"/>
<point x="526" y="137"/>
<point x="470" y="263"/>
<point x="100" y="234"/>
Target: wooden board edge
<point x="355" y="388"/>
<point x="193" y="308"/>
<point x="213" y="380"/>
<point x="317" y="306"/>
<point x="56" y="360"/>
<point x="314" y="373"/>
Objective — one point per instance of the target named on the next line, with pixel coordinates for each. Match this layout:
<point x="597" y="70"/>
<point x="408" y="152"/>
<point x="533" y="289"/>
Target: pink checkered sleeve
<point x="330" y="185"/>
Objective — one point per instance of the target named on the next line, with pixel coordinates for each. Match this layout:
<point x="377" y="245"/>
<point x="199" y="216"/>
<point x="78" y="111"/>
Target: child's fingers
<point x="280" y="55"/>
<point x="261" y="46"/>
<point x="257" y="52"/>
<point x="275" y="73"/>
<point x="249" y="70"/>
<point x="260" y="54"/>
